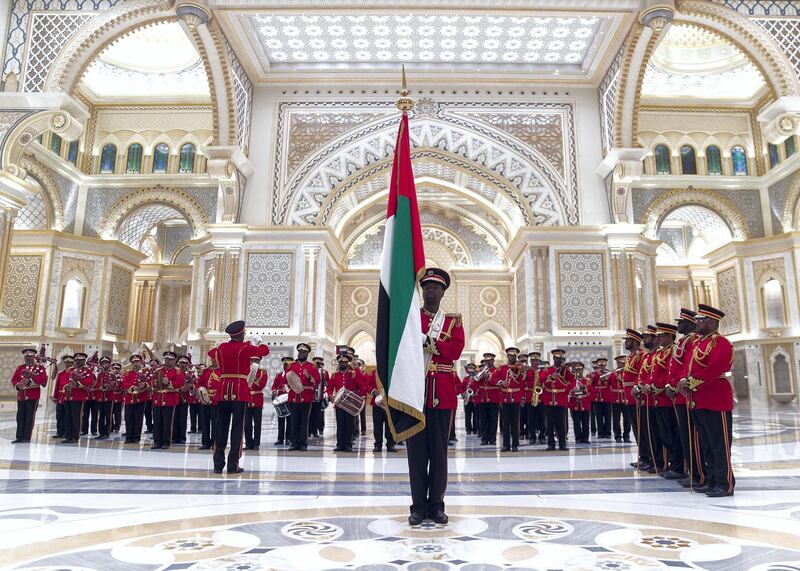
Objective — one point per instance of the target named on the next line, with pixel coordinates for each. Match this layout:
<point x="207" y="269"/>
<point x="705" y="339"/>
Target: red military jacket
<point x="472" y="383"/>
<point x="556" y="385"/>
<point x="492" y="393"/>
<point x="84" y="381"/>
<point x="165" y="392"/>
<point x="188" y="391"/>
<point x="232" y="359"/>
<point x="279" y="385"/>
<point x="599" y="388"/>
<point x="531" y="382"/>
<point x="38" y="376"/>
<point x="309" y="375"/>
<point x="347" y="379"/>
<point x="117" y="395"/>
<point x="366" y="382"/>
<point x="516" y="383"/>
<point x="712" y="357"/>
<point x="440" y="381"/>
<point x="210" y="379"/>
<point x="61" y="381"/>
<point x="583" y="403"/>
<point x="630" y="374"/>
<point x="257" y="389"/>
<point x="103" y="390"/>
<point x="645" y="376"/>
<point x="616" y="384"/>
<point x="135" y="386"/>
<point x="659" y="377"/>
<point x="679" y="364"/>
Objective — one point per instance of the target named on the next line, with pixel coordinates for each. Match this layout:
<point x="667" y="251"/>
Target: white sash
<point x="434" y="331"/>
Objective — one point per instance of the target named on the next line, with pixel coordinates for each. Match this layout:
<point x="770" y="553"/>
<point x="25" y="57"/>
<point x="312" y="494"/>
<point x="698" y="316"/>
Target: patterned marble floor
<point x="99" y="505"/>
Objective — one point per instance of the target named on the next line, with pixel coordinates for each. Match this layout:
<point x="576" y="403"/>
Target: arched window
<point x="713" y="160"/>
<point x="790" y="146"/>
<point x="160" y="158"/>
<point x="774" y="155"/>
<point x="73" y="297"/>
<point x="134" y="163"/>
<point x="739" y="159"/>
<point x="72" y="152"/>
<point x="108" y="159"/>
<point x="688" y="160"/>
<point x="662" y="160"/>
<point x="55" y="143"/>
<point x="186" y="163"/>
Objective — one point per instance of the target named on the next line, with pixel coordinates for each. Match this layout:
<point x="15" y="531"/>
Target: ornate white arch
<point x="531" y="183"/>
<point x="178" y="199"/>
<point x="749" y="37"/>
<point x="52" y="199"/>
<point x="666" y="203"/>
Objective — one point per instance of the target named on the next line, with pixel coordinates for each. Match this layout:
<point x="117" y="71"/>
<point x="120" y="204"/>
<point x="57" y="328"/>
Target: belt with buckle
<point x="440" y="368"/>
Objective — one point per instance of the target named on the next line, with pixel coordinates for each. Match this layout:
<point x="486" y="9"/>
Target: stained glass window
<point x="688" y="160"/>
<point x="160" y="158"/>
<point x="714" y="160"/>
<point x="108" y="159"/>
<point x="134" y="162"/>
<point x="739" y="159"/>
<point x="55" y="143"/>
<point x="186" y="164"/>
<point x="72" y="152"/>
<point x="662" y="160"/>
<point x="791" y="146"/>
<point x="774" y="155"/>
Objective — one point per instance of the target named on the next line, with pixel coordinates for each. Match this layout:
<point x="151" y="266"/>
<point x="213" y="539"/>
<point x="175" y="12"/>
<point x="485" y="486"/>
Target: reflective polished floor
<point x="101" y="505"/>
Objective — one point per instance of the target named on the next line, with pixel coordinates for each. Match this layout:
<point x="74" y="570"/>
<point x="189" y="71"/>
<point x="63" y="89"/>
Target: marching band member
<point x="103" y="393"/>
<point x="344" y="377"/>
<point x="619" y="402"/>
<point x="665" y="408"/>
<point x="650" y="446"/>
<point x="580" y="405"/>
<point x="630" y="378"/>
<point x="600" y="393"/>
<point x="380" y="424"/>
<point x="492" y="399"/>
<point x="233" y="358"/>
<point x="255" y="408"/>
<point x="117" y="397"/>
<point x="525" y="399"/>
<point x="27" y="379"/>
<point x="711" y="397"/>
<point x="62" y="378"/>
<point x="307" y="376"/>
<point x="209" y="383"/>
<point x="556" y="381"/>
<point x="511" y="379"/>
<point x="536" y="409"/>
<point x="91" y="409"/>
<point x="679" y="369"/>
<point x="470" y="419"/>
<point x="279" y="387"/>
<point x="136" y="389"/>
<point x="76" y="391"/>
<point x="185" y="397"/>
<point x="316" y="420"/>
<point x="167" y="381"/>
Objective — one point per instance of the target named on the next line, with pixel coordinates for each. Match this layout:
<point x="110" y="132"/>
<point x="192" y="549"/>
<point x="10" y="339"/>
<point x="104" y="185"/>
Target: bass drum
<point x="348" y="401"/>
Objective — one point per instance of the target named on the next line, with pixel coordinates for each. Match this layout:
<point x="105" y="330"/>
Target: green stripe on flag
<point x="403" y="280"/>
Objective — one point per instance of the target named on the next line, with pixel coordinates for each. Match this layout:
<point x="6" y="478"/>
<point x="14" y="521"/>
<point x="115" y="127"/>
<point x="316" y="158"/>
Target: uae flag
<point x="399" y="355"/>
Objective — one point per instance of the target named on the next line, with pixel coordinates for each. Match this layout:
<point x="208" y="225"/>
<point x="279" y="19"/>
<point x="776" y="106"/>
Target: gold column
<point x="310" y="281"/>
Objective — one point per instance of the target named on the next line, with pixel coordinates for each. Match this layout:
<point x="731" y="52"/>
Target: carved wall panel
<point x="520" y="287"/>
<point x="728" y="295"/>
<point x="21" y="293"/>
<point x="10" y="357"/>
<point x="119" y="295"/>
<point x="357" y="303"/>
<point x="780" y="368"/>
<point x="773" y="266"/>
<point x="330" y="299"/>
<point x="581" y="279"/>
<point x="268" y="299"/>
<point x="89" y="267"/>
<point x="489" y="302"/>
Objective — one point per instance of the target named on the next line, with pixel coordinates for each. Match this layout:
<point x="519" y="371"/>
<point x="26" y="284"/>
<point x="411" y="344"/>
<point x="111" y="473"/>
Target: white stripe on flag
<point x="410" y="362"/>
<point x="385" y="262"/>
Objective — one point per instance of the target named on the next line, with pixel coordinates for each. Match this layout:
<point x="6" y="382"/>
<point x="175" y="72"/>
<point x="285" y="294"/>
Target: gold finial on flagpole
<point x="405" y="103"/>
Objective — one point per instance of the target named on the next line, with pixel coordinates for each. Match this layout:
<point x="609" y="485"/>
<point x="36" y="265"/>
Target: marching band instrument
<point x="294" y="382"/>
<point x="537" y="394"/>
<point x="467" y="395"/>
<point x="203" y="396"/>
<point x="281" y="404"/>
<point x="348" y="401"/>
<point x="377" y="399"/>
<point x="251" y="376"/>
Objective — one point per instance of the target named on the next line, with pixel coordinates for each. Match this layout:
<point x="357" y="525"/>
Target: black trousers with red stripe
<point x="230" y="420"/>
<point x="716" y="435"/>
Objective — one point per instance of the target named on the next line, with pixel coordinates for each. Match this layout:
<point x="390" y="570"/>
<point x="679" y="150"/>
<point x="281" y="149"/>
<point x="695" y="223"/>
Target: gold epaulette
<point x="455" y="316"/>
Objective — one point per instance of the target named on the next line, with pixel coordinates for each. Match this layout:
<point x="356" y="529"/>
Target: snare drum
<point x="281" y="404"/>
<point x="348" y="401"/>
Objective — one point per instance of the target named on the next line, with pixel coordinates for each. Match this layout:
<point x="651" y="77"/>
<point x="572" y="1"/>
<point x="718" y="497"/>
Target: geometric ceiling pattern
<point x="370" y="41"/>
<point x="138" y="224"/>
